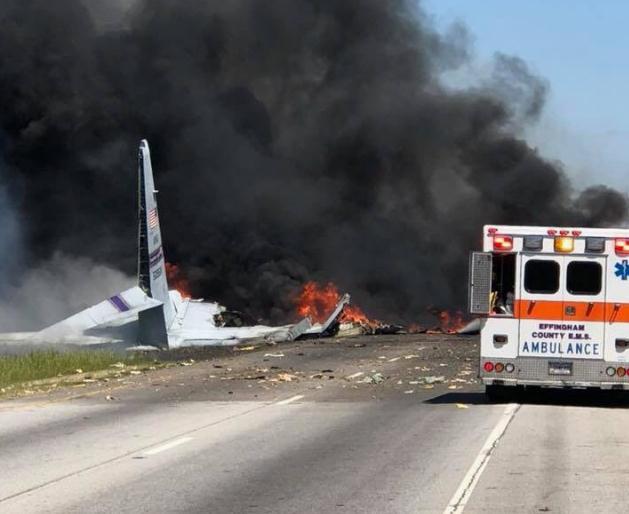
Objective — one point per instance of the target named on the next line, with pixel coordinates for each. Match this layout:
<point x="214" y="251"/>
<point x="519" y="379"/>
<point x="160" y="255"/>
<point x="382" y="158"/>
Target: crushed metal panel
<point x="480" y="283"/>
<point x="300" y="328"/>
<point x="331" y="325"/>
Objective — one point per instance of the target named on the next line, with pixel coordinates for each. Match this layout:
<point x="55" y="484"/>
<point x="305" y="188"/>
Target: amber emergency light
<point x="564" y="244"/>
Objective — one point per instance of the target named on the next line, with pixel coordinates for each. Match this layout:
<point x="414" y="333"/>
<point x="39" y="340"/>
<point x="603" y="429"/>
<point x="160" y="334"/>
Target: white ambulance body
<point x="555" y="306"/>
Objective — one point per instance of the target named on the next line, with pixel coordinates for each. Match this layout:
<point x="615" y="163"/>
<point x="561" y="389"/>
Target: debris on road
<point x="276" y="355"/>
<point x="376" y="378"/>
<point x="462" y="406"/>
<point x="434" y="380"/>
<point x="284" y="377"/>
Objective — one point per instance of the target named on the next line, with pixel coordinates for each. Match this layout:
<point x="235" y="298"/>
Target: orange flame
<point x="450" y="322"/>
<point x="177" y="280"/>
<point x="317" y="301"/>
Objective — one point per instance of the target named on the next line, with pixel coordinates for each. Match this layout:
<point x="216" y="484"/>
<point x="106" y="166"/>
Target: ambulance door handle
<point x="531" y="305"/>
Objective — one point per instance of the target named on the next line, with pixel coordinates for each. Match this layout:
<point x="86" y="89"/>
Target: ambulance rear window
<point x="541" y="277"/>
<point x="584" y="277"/>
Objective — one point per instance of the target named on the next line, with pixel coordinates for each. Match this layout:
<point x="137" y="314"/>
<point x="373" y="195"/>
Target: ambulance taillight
<point x="622" y="246"/>
<point x="503" y="243"/>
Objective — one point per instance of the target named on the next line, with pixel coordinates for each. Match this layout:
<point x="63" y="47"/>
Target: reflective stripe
<point x="583" y="311"/>
<point x="538" y="309"/>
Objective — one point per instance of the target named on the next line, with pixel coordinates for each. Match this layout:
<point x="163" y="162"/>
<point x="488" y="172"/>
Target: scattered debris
<point x="461" y="406"/>
<point x="244" y="348"/>
<point x="434" y="380"/>
<point x="355" y="375"/>
<point x="110" y="398"/>
<point x="376" y="378"/>
<point x="279" y="354"/>
<point x="286" y="377"/>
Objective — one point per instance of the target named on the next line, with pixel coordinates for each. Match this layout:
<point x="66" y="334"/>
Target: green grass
<point x="37" y="365"/>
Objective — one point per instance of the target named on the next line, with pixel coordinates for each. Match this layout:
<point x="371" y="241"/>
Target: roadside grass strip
<point x="38" y="365"/>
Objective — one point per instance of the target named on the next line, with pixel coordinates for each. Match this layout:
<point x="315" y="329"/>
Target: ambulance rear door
<point x="540" y="303"/>
<point x="584" y="307"/>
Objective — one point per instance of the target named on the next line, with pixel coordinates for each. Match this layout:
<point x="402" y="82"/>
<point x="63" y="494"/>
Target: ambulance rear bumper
<point x="530" y="371"/>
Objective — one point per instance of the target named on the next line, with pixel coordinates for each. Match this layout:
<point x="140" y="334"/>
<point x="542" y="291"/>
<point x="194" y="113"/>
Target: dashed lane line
<point x="167" y="446"/>
<point x="290" y="400"/>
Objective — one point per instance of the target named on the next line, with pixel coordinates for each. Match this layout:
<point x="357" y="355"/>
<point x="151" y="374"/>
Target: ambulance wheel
<point x="496" y="392"/>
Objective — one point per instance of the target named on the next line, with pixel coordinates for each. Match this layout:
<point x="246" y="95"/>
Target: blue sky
<point x="581" y="48"/>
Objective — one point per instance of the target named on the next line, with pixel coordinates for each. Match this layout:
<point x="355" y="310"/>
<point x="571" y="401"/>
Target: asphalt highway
<point x="381" y="424"/>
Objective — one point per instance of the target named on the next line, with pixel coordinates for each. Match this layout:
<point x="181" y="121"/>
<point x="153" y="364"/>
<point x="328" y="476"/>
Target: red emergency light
<point x="503" y="243"/>
<point x="622" y="246"/>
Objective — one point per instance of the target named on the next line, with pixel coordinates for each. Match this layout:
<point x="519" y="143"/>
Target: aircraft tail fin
<point x="151" y="265"/>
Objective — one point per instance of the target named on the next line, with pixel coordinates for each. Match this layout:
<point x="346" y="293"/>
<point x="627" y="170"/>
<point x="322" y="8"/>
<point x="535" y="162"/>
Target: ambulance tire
<point x="498" y="392"/>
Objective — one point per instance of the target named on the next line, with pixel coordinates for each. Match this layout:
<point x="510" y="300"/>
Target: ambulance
<point x="554" y="307"/>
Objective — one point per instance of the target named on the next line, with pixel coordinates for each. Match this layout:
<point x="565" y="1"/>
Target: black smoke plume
<point x="292" y="140"/>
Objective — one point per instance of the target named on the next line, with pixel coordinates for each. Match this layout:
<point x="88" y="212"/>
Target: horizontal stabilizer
<point x="115" y="310"/>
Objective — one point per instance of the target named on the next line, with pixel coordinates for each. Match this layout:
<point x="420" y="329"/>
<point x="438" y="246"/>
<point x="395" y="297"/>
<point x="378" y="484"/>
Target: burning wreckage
<point x="150" y="314"/>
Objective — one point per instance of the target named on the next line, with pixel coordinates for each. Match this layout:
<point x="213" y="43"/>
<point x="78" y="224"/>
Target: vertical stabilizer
<point x="151" y="265"/>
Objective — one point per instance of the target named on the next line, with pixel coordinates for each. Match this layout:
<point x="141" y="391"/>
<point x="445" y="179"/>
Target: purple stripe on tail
<point x="119" y="303"/>
<point x="156" y="257"/>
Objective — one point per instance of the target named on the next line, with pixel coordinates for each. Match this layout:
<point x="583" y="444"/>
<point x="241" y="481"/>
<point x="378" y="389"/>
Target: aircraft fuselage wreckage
<point x="149" y="314"/>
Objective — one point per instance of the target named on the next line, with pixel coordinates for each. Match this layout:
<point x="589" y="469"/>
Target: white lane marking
<point x="167" y="446"/>
<point x="462" y="495"/>
<point x="290" y="400"/>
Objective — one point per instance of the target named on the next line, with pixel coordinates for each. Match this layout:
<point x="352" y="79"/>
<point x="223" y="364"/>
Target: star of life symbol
<point x="622" y="269"/>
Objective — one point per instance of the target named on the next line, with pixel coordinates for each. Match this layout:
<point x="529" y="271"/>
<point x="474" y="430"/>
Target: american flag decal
<point x="153" y="219"/>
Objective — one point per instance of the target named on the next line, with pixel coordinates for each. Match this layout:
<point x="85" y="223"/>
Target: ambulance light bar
<point x="595" y="244"/>
<point x="503" y="243"/>
<point x="564" y="244"/>
<point x="622" y="246"/>
<point x="533" y="242"/>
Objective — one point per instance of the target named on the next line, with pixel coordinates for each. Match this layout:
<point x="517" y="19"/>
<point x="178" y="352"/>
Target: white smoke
<point x="57" y="289"/>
